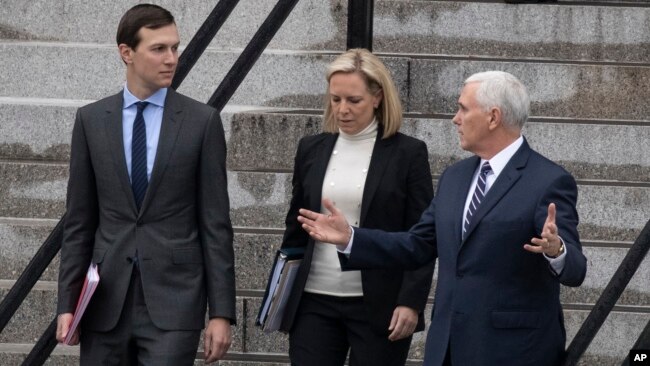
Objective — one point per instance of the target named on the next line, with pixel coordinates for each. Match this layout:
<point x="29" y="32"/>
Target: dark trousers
<point x="447" y="360"/>
<point x="136" y="340"/>
<point x="326" y="327"/>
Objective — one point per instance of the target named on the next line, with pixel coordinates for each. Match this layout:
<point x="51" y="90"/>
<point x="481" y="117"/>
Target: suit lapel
<point x="508" y="177"/>
<point x="115" y="139"/>
<point x="171" y="122"/>
<point x="322" y="158"/>
<point x="379" y="160"/>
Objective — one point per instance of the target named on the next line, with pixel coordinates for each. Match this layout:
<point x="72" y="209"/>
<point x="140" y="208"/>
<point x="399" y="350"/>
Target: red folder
<point x="90" y="284"/>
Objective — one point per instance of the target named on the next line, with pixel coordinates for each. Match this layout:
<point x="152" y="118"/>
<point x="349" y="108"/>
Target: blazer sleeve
<point x="374" y="249"/>
<point x="410" y="250"/>
<point x="563" y="191"/>
<point x="80" y="222"/>
<point x="214" y="222"/>
<point x="294" y="235"/>
<point x="416" y="284"/>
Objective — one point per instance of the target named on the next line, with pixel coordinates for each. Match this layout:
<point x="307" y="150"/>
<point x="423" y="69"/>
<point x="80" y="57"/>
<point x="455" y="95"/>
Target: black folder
<point x="278" y="288"/>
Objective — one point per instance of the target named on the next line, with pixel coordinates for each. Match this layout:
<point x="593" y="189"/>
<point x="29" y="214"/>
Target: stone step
<point x="258" y="199"/>
<point x="591" y="150"/>
<point x="296" y="80"/>
<point x="14" y="353"/>
<point x="570" y="31"/>
<point x="612" y="343"/>
<point x="587" y="150"/>
<point x="20" y="239"/>
<point x="313" y="24"/>
<point x="566" y="32"/>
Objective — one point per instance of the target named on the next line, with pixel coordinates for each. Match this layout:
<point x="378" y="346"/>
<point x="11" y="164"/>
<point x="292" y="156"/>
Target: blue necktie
<point x="139" y="181"/>
<point x="479" y="193"/>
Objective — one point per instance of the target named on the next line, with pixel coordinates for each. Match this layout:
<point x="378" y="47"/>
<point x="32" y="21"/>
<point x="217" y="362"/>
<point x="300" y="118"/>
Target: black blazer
<point x="398" y="188"/>
<point x="182" y="232"/>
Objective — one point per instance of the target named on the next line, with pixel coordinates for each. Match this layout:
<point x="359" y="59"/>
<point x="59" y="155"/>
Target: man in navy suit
<point x="503" y="225"/>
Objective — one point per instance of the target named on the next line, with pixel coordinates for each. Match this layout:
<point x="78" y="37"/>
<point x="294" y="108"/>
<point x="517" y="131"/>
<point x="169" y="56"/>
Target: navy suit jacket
<point x="495" y="303"/>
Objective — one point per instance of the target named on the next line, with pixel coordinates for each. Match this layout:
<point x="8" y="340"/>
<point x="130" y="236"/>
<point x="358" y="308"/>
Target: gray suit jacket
<point x="182" y="233"/>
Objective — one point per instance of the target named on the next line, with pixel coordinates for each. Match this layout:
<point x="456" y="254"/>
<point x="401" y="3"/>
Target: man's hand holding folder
<point x="63" y="328"/>
<point x="67" y="328"/>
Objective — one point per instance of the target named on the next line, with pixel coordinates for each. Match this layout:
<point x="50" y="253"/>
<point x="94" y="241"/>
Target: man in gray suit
<point x="148" y="203"/>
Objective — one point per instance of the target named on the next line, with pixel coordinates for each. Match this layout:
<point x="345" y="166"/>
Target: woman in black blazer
<point x="380" y="179"/>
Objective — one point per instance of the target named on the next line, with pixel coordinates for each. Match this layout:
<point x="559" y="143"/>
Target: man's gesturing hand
<point x="332" y="228"/>
<point x="550" y="242"/>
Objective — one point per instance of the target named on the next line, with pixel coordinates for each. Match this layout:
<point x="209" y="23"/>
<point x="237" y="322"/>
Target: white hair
<point x="504" y="91"/>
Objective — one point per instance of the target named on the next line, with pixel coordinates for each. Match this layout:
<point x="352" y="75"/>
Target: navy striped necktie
<point x="478" y="195"/>
<point x="139" y="180"/>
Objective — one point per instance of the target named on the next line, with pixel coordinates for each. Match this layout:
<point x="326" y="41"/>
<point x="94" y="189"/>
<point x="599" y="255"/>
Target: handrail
<point x="31" y="274"/>
<point x="642" y="343"/>
<point x="360" y="16"/>
<point x="251" y="53"/>
<point x="43" y="347"/>
<point x="202" y="39"/>
<point x="608" y="298"/>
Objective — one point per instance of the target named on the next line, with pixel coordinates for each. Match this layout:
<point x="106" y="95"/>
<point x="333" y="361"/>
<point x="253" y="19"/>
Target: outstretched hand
<point x="550" y="242"/>
<point x="332" y="228"/>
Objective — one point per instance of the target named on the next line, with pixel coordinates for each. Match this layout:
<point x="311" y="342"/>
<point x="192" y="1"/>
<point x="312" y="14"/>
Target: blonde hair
<point x="377" y="78"/>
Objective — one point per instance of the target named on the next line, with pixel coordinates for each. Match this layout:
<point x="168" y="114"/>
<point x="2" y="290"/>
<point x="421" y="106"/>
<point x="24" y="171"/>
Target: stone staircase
<point x="585" y="63"/>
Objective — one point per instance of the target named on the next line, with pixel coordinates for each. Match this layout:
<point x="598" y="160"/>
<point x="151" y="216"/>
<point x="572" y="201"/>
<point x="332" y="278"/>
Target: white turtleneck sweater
<point x="344" y="182"/>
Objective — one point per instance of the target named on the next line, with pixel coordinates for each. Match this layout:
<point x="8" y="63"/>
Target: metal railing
<point x="608" y="299"/>
<point x="358" y="36"/>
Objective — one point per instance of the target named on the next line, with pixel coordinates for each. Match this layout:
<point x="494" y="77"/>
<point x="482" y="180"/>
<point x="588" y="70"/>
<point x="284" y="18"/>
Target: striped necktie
<point x="478" y="195"/>
<point x="139" y="181"/>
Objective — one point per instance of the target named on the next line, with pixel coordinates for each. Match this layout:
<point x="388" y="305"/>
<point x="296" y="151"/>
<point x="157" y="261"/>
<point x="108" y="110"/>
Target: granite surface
<point x="571" y="32"/>
<point x="268" y="141"/>
<point x="297" y="81"/>
<point x="556" y="89"/>
<point x="589" y="151"/>
<point x="18" y="244"/>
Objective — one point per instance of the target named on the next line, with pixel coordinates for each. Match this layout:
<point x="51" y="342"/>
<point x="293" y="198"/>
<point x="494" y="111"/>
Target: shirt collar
<point x="500" y="160"/>
<point x="157" y="98"/>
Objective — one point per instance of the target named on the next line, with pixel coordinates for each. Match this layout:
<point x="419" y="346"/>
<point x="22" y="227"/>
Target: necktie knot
<point x="486" y="169"/>
<point x="141" y="106"/>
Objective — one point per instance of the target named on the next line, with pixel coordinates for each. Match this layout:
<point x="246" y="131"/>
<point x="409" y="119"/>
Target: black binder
<point x="278" y="288"/>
